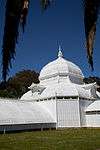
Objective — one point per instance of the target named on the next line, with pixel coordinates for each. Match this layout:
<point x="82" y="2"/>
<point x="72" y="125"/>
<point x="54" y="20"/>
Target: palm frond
<point x="91" y="13"/>
<point x="45" y="3"/>
<point x="16" y="12"/>
<point x="24" y="13"/>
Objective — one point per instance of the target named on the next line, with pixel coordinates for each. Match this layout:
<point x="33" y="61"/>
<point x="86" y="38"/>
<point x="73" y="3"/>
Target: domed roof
<point x="60" y="66"/>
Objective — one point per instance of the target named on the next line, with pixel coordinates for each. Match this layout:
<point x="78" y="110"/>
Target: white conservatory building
<point x="61" y="99"/>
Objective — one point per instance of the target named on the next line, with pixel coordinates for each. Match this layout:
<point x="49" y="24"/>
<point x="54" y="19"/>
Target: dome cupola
<point x="61" y="68"/>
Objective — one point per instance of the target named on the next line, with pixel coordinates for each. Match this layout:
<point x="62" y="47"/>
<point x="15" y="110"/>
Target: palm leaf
<point x="91" y="12"/>
<point x="15" y="15"/>
<point x="45" y="3"/>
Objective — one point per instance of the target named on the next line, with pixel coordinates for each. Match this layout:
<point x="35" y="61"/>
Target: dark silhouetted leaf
<point x="91" y="12"/>
<point x="16" y="12"/>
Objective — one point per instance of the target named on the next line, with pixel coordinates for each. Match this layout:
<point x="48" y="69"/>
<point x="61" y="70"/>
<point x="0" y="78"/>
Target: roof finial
<point x="60" y="55"/>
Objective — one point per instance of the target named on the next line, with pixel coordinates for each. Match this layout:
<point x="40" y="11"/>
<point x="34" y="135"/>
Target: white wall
<point x="82" y="106"/>
<point x="49" y="105"/>
<point x="68" y="113"/>
<point x="93" y="120"/>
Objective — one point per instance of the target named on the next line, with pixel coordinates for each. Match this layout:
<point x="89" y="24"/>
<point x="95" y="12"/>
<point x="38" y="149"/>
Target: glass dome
<point x="61" y="67"/>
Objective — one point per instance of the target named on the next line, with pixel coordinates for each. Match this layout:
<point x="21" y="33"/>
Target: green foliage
<point x="93" y="79"/>
<point x="17" y="85"/>
<point x="65" y="139"/>
<point x="5" y="93"/>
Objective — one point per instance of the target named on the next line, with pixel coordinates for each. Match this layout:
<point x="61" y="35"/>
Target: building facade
<point x="61" y="99"/>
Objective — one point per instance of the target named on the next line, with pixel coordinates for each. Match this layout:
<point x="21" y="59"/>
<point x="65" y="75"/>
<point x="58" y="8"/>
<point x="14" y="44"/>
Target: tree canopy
<point x="17" y="85"/>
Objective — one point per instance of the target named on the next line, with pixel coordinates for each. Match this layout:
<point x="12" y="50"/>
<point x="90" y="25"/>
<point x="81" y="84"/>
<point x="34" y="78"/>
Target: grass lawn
<point x="66" y="139"/>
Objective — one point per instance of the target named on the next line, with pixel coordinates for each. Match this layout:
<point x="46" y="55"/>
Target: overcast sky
<point x="62" y="24"/>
